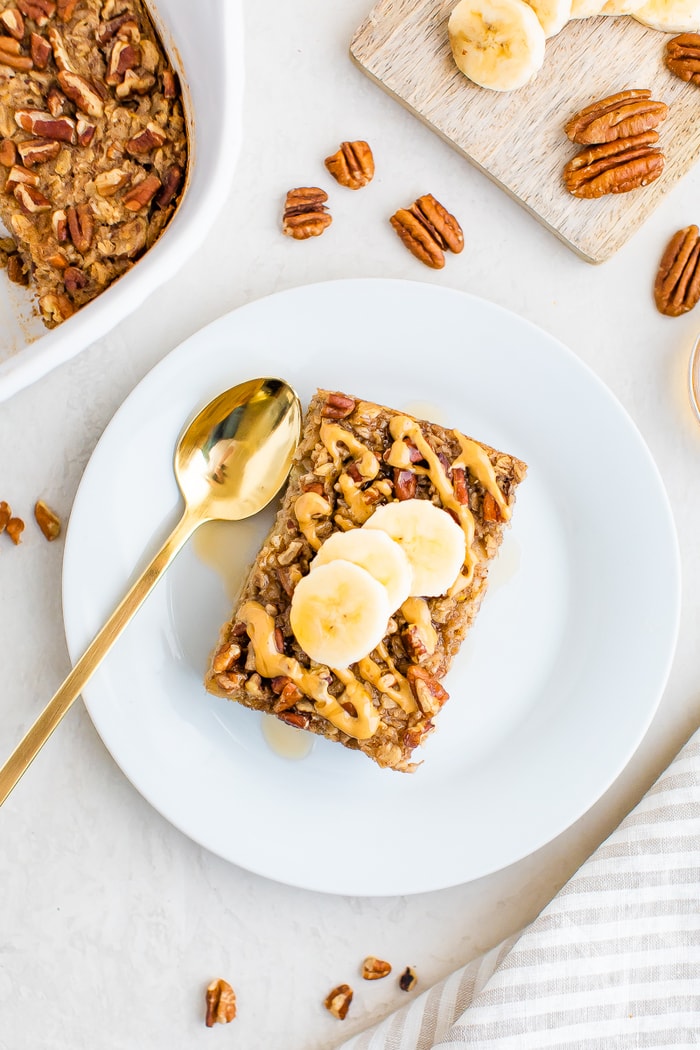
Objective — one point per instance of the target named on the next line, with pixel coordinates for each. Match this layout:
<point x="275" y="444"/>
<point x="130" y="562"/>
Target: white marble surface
<point x="111" y="921"/>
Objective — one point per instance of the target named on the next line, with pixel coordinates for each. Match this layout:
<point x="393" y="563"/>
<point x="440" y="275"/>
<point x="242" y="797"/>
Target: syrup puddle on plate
<point x="284" y="740"/>
<point x="425" y="410"/>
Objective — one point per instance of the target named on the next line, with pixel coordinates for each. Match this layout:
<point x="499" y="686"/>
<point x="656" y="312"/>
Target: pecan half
<point x="5" y="514"/>
<point x="47" y="520"/>
<point x="12" y="22"/>
<point x="221" y="1003"/>
<point x="428" y="230"/>
<point x="338" y="1001"/>
<point x="14" y="529"/>
<point x="44" y="126"/>
<point x="81" y="226"/>
<point x="56" y="308"/>
<point x="615" y="167"/>
<point x="374" y="969"/>
<point x="305" y="213"/>
<point x="82" y="92"/>
<point x="338" y="406"/>
<point x="352" y="165"/>
<point x="683" y="57"/>
<point x="150" y="138"/>
<point x="616" y="117"/>
<point x="677" y="284"/>
<point x="37" y="151"/>
<point x="172" y="180"/>
<point x="74" y="279"/>
<point x="427" y="690"/>
<point x="19" y="175"/>
<point x="31" y="200"/>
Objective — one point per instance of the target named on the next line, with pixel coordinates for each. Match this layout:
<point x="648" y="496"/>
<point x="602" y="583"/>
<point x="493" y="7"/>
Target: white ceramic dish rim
<point x="193" y="219"/>
<point x="77" y="611"/>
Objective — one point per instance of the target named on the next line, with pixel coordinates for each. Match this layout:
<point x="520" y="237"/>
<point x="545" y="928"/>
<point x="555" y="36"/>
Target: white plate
<point x="553" y="689"/>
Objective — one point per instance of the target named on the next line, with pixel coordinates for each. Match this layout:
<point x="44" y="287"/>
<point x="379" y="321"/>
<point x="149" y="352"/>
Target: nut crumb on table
<point x="220" y="1002"/>
<point x="337" y="1002"/>
<point x="92" y="142"/>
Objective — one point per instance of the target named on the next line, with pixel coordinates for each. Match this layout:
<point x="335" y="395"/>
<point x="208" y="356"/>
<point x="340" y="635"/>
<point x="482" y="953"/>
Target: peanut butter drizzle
<point x="401" y="693"/>
<point x="333" y="435"/>
<point x="416" y="611"/>
<point x="270" y="663"/>
<point x="472" y="457"/>
<point x="308" y="507"/>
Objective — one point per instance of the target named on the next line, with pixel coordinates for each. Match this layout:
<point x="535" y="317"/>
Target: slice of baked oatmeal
<point x="355" y="457"/>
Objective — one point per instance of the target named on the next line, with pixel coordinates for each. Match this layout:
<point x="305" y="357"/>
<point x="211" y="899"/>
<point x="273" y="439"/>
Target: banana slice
<point x="434" y="543"/>
<point x="586" y="8"/>
<point x="377" y="553"/>
<point x="339" y="613"/>
<point x="499" y="44"/>
<point x="552" y="14"/>
<point x="621" y="7"/>
<point x="670" y="16"/>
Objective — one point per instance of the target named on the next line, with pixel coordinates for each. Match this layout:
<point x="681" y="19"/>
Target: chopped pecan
<point x="338" y="406"/>
<point x="85" y="131"/>
<point x="172" y="180"/>
<point x="65" y="9"/>
<point x="20" y="176"/>
<point x="374" y="969"/>
<point x="56" y="308"/>
<point x="289" y="694"/>
<point x="677" y="284"/>
<point x="617" y="117"/>
<point x="226" y="657"/>
<point x="12" y="22"/>
<point x="459" y="485"/>
<point x="123" y="24"/>
<point x="37" y="151"/>
<point x="16" y="270"/>
<point x="40" y="11"/>
<point x="8" y="153"/>
<point x="490" y="508"/>
<point x="338" y="1001"/>
<point x="74" y="279"/>
<point x="60" y="52"/>
<point x="31" y="200"/>
<point x="9" y="56"/>
<point x="56" y="102"/>
<point x="44" y="126"/>
<point x="296" y="719"/>
<point x="59" y="225"/>
<point x="428" y="230"/>
<point x="152" y="137"/>
<point x="352" y="165"/>
<point x="81" y="226"/>
<point x="615" y="167"/>
<point x="5" y="514"/>
<point x="405" y="482"/>
<point x="14" y="529"/>
<point x="408" y="979"/>
<point x="427" y="690"/>
<point x="122" y="57"/>
<point x="141" y="195"/>
<point x="82" y="92"/>
<point x="683" y="57"/>
<point x="221" y="1003"/>
<point x="108" y="182"/>
<point x="134" y="84"/>
<point x="47" y="520"/>
<point x="415" y="643"/>
<point x="305" y="213"/>
<point x="40" y="50"/>
<point x="169" y="84"/>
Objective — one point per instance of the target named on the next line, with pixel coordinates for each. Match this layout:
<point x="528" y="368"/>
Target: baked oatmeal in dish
<point x="370" y="578"/>
<point x="93" y="145"/>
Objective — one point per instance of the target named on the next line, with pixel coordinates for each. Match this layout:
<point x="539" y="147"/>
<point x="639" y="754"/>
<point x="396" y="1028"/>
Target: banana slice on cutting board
<point x="621" y="7"/>
<point x="376" y="552"/>
<point x="551" y="14"/>
<point x="339" y="613"/>
<point x="499" y="44"/>
<point x="670" y="16"/>
<point x="586" y="8"/>
<point x="433" y="542"/>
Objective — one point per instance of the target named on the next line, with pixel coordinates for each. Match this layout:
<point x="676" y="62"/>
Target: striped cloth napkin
<point x="613" y="962"/>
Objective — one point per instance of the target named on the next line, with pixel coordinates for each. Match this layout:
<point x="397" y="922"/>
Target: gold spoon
<point x="230" y="461"/>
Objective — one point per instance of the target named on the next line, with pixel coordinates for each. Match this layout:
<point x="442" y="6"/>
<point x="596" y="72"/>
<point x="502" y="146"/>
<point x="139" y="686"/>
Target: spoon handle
<point x="35" y="738"/>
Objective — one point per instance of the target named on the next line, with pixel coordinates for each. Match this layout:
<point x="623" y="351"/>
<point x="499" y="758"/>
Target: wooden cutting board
<point x="517" y="137"/>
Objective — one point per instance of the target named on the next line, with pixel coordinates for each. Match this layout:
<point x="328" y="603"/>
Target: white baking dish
<point x="204" y="42"/>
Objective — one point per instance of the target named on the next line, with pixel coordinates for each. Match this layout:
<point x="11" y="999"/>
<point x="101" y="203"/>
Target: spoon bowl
<point x="230" y="461"/>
